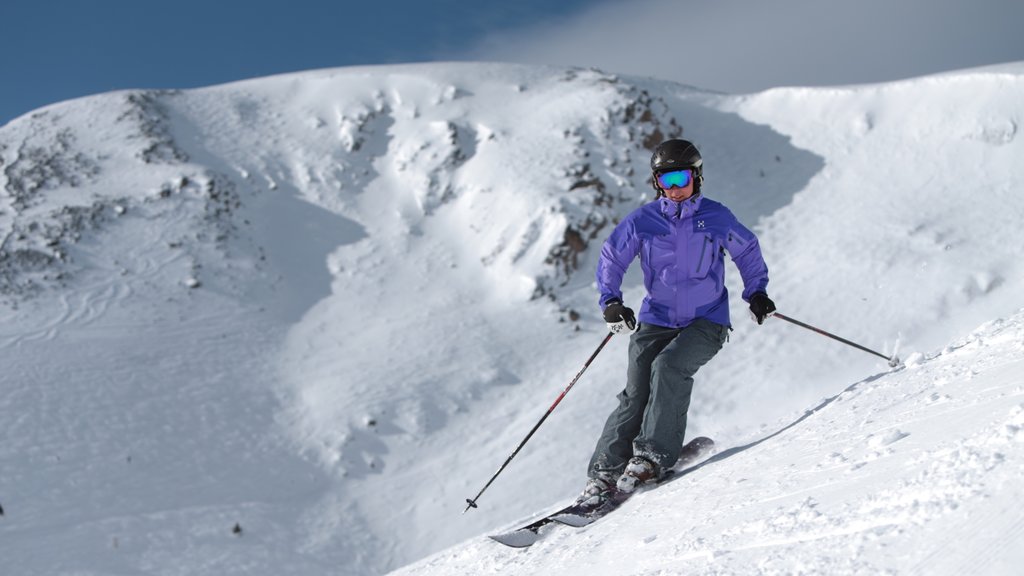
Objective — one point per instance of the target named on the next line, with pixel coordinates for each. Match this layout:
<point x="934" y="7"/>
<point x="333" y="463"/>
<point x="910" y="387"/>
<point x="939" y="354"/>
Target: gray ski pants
<point x="650" y="420"/>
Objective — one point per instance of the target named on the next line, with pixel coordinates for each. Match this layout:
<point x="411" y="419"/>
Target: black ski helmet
<point x="677" y="154"/>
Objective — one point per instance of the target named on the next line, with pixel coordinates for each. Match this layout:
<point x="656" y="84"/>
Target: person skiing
<point x="681" y="238"/>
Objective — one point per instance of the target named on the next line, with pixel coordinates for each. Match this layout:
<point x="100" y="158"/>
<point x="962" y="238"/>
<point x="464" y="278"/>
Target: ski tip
<point x="517" y="538"/>
<point x="702" y="442"/>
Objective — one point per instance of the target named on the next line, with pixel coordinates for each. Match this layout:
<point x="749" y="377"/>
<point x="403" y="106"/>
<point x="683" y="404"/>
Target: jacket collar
<point x="679" y="210"/>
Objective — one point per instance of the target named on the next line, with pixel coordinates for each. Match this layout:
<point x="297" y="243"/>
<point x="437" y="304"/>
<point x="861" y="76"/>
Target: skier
<point x="681" y="239"/>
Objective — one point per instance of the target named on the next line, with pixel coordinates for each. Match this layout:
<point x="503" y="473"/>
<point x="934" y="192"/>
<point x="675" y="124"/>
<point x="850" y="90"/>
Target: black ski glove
<point x="761" y="306"/>
<point x="619" y="318"/>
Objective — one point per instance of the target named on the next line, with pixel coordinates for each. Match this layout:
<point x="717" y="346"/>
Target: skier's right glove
<point x="619" y="318"/>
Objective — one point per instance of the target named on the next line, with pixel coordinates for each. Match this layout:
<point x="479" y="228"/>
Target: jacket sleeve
<point x="617" y="254"/>
<point x="745" y="251"/>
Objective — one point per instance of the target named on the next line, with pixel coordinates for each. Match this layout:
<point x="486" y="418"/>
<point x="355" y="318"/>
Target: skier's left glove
<point x="761" y="307"/>
<point x="619" y="318"/>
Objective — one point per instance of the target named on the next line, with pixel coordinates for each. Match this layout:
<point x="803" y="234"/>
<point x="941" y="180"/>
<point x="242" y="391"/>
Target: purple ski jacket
<point x="682" y="248"/>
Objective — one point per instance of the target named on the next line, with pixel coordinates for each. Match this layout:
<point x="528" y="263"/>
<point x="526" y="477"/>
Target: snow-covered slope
<point x="324" y="307"/>
<point x="915" y="472"/>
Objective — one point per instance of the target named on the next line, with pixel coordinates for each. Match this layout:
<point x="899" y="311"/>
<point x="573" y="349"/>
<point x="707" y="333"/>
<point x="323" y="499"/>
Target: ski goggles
<point x="675" y="179"/>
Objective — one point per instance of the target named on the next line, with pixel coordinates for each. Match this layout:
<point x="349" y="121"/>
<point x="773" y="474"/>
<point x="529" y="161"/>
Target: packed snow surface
<point x="911" y="472"/>
<point x="289" y="325"/>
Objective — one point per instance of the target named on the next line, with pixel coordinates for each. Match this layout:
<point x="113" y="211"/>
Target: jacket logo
<point x="700" y="224"/>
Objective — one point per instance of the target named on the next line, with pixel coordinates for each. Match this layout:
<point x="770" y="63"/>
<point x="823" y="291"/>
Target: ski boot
<point x="638" y="471"/>
<point x="596" y="492"/>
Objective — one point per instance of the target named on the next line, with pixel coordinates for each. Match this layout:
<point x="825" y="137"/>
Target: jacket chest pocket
<point x="702" y="255"/>
<point x="658" y="257"/>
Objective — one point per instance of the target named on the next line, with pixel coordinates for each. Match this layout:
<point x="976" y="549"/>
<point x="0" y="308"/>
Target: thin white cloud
<point x="749" y="45"/>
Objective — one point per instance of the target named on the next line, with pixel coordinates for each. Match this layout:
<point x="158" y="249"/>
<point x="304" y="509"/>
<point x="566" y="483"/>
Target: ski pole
<point x="472" y="502"/>
<point x="894" y="360"/>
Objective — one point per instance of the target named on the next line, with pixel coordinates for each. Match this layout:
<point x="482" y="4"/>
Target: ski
<point x="530" y="533"/>
<point x="577" y="516"/>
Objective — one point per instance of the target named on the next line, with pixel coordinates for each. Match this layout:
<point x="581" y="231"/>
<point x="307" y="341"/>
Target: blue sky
<point x="54" y="50"/>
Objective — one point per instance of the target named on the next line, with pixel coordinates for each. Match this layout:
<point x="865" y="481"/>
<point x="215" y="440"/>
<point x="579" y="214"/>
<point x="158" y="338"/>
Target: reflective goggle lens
<point x="675" y="179"/>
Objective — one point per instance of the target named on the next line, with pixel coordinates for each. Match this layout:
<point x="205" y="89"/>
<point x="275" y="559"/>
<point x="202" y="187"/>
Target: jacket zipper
<point x="703" y="252"/>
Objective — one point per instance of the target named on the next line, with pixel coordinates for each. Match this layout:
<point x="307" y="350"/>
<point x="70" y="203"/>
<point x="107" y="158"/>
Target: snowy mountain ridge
<point x="262" y="304"/>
